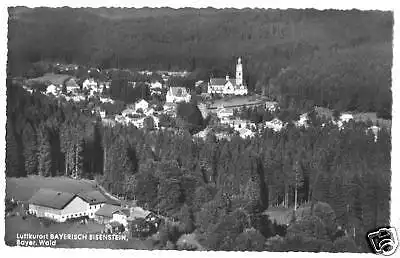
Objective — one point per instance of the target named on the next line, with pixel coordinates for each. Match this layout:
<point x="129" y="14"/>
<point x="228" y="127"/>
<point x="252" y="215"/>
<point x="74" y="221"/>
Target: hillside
<point x="208" y="40"/>
<point x="188" y="38"/>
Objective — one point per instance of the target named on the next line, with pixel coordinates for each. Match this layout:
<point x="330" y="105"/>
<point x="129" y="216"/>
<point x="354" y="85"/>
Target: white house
<point x="89" y="84"/>
<point x="224" y="113"/>
<point x="303" y="121"/>
<point x="120" y="216"/>
<point x="198" y="83"/>
<point x="271" y="106"/>
<point x="229" y="86"/>
<point x="246" y="133"/>
<point x="141" y="104"/>
<point x="155" y="85"/>
<point x="106" y="100"/>
<point x="72" y="86"/>
<point x="52" y="89"/>
<point x="177" y="94"/>
<point x="237" y="124"/>
<point x="375" y="130"/>
<point x="27" y="89"/>
<point x="346" y="117"/>
<point x="60" y="206"/>
<point x="275" y="124"/>
<point x="102" y="114"/>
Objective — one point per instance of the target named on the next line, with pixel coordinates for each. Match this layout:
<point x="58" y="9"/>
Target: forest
<point x="216" y="188"/>
<point x="336" y="59"/>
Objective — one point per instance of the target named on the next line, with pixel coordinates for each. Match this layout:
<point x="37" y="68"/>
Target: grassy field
<point x="55" y="79"/>
<point x="22" y="189"/>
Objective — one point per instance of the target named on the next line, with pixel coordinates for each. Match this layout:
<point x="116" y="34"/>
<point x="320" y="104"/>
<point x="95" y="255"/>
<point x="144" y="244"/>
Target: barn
<point x="60" y="206"/>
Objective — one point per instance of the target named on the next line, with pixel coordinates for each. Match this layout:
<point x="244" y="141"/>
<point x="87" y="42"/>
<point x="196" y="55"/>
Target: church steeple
<point x="239" y="72"/>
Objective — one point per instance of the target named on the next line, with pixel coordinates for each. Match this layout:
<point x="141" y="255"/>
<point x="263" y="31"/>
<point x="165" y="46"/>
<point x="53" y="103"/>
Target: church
<point x="228" y="86"/>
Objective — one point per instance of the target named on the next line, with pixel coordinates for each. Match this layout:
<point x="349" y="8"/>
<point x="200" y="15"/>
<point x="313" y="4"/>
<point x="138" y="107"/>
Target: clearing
<point x="23" y="188"/>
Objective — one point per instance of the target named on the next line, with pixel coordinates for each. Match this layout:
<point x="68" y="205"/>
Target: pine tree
<point x="30" y="150"/>
<point x="12" y="162"/>
<point x="44" y="152"/>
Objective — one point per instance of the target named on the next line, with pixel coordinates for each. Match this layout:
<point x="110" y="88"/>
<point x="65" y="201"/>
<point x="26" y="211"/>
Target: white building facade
<point x="229" y="86"/>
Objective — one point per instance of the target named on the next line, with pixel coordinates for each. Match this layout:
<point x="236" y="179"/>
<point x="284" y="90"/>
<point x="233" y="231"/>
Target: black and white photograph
<point x="199" y="129"/>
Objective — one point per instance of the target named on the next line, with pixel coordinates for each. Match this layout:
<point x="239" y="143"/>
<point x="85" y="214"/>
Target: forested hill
<point x="336" y="59"/>
<point x="187" y="38"/>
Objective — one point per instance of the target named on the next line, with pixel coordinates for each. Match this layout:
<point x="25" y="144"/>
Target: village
<point x="233" y="91"/>
<point x="114" y="215"/>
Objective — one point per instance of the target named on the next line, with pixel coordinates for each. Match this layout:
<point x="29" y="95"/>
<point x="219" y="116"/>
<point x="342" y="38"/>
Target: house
<point x="198" y="83"/>
<point x="375" y="130"/>
<point x="303" y="121"/>
<point x="27" y="89"/>
<point x="138" y="213"/>
<point x="72" y="86"/>
<point x="346" y="117"/>
<point x="275" y="124"/>
<point x="343" y="119"/>
<point x="227" y="86"/>
<point x="271" y="106"/>
<point x="105" y="213"/>
<point x="89" y="84"/>
<point x="132" y="84"/>
<point x="95" y="199"/>
<point x="177" y="94"/>
<point x="60" y="206"/>
<point x="102" y="114"/>
<point x="237" y="124"/>
<point x="141" y="104"/>
<point x="138" y="122"/>
<point x="155" y="85"/>
<point x="121" y="216"/>
<point x="52" y="89"/>
<point x="224" y="113"/>
<point x="106" y="100"/>
<point x="245" y="133"/>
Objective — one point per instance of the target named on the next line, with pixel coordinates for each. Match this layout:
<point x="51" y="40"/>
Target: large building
<point x="60" y="206"/>
<point x="228" y="86"/>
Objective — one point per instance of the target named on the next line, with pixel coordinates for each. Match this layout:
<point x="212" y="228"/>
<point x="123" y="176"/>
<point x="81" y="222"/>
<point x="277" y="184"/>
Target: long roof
<point x="51" y="199"/>
<point x="107" y="210"/>
<point x="93" y="197"/>
<point x="221" y="81"/>
<point x="138" y="212"/>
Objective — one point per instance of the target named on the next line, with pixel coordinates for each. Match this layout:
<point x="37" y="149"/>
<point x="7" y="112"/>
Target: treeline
<point x="344" y="81"/>
<point x="218" y="188"/>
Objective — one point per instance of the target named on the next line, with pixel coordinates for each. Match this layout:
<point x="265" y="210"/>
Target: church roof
<point x="221" y="81"/>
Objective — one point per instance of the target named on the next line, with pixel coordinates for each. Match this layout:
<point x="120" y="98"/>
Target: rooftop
<point x="107" y="210"/>
<point x="93" y="197"/>
<point x="51" y="199"/>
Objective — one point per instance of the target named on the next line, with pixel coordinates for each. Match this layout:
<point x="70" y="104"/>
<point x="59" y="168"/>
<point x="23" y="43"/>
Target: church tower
<point x="239" y="72"/>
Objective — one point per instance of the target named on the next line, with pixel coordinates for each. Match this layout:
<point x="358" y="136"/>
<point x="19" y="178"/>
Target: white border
<point x="338" y="4"/>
